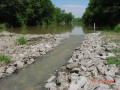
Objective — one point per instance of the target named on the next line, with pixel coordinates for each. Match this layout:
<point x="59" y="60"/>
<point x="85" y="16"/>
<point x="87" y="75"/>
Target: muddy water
<point x="34" y="76"/>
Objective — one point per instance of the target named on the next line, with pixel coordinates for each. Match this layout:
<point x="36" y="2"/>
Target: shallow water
<point x="34" y="76"/>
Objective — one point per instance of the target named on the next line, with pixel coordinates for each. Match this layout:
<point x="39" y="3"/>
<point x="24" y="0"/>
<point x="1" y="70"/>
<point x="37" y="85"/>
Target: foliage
<point x="60" y="16"/>
<point x="2" y="27"/>
<point x="21" y="40"/>
<point x="102" y="12"/>
<point x="4" y="58"/>
<point x="77" y="20"/>
<point x="117" y="28"/>
<point x="68" y="17"/>
<point x="30" y="12"/>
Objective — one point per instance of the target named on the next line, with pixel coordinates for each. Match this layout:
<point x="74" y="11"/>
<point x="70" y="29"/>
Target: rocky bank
<point x="24" y="55"/>
<point x="87" y="69"/>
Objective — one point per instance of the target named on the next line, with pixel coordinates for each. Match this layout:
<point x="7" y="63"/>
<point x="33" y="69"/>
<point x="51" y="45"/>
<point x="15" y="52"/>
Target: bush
<point x="117" y="28"/>
<point x="21" y="40"/>
<point x="4" y="58"/>
<point x="2" y="27"/>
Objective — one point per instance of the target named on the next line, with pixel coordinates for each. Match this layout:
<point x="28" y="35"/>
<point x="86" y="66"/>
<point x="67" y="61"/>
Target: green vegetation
<point x="77" y="20"/>
<point x="60" y="16"/>
<point x="102" y="12"/>
<point x="23" y="13"/>
<point x="115" y="60"/>
<point x="21" y="40"/>
<point x="117" y="28"/>
<point x="2" y="27"/>
<point x="4" y="59"/>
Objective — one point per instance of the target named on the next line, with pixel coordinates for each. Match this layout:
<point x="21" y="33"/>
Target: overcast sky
<point x="77" y="7"/>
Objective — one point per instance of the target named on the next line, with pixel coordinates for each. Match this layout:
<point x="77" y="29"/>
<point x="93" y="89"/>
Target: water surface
<point x="34" y="76"/>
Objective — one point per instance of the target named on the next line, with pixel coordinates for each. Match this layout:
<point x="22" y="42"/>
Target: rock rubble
<point x="87" y="69"/>
<point x="24" y="55"/>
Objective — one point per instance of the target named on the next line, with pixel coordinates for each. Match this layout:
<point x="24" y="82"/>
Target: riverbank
<point x="24" y="55"/>
<point x="89" y="68"/>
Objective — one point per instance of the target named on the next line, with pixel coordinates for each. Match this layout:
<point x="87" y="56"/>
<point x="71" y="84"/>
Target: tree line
<point x="102" y="12"/>
<point x="16" y="13"/>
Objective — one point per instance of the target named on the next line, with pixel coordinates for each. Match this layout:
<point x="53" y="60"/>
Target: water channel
<point x="34" y="76"/>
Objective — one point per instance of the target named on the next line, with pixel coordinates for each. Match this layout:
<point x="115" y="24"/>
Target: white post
<point x="94" y="26"/>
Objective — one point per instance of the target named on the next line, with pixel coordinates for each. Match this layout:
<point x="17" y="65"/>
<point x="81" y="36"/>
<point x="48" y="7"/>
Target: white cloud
<point x="77" y="10"/>
<point x="73" y="6"/>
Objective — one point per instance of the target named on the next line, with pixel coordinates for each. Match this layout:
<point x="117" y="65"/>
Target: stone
<point x="109" y="78"/>
<point x="117" y="81"/>
<point x="72" y="65"/>
<point x="48" y="47"/>
<point x="42" y="48"/>
<point x="74" y="77"/>
<point x="75" y="70"/>
<point x="2" y="69"/>
<point x="19" y="64"/>
<point x="51" y="79"/>
<point x="70" y="61"/>
<point x="63" y="86"/>
<point x="74" y="86"/>
<point x="30" y="61"/>
<point x="90" y="86"/>
<point x="62" y="77"/>
<point x="111" y="55"/>
<point x="10" y="70"/>
<point x="110" y="73"/>
<point x="51" y="86"/>
<point x="83" y="68"/>
<point x="21" y="55"/>
<point x="78" y="85"/>
<point x="103" y="87"/>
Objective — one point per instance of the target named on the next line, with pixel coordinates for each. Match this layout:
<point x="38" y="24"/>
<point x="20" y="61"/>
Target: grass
<point x="113" y="36"/>
<point x="4" y="59"/>
<point x="21" y="40"/>
<point x="115" y="60"/>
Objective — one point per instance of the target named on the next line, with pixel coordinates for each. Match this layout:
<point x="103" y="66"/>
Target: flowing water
<point x="34" y="76"/>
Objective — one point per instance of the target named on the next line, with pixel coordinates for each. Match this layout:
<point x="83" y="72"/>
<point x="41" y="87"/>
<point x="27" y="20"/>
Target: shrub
<point x="117" y="28"/>
<point x="4" y="58"/>
<point x="21" y="40"/>
<point x="2" y="27"/>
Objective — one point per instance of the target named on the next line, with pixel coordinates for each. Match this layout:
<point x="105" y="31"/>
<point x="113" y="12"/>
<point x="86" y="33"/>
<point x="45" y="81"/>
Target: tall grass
<point x="21" y="40"/>
<point x="4" y="58"/>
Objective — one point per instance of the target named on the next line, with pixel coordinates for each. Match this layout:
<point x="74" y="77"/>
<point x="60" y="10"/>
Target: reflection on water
<point x="52" y="29"/>
<point x="35" y="76"/>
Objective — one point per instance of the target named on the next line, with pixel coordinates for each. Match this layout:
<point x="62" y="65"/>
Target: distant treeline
<point x="16" y="13"/>
<point x="102" y="12"/>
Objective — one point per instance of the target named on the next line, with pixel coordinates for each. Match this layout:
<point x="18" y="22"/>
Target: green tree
<point x="102" y="12"/>
<point x="68" y="17"/>
<point x="28" y="12"/>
